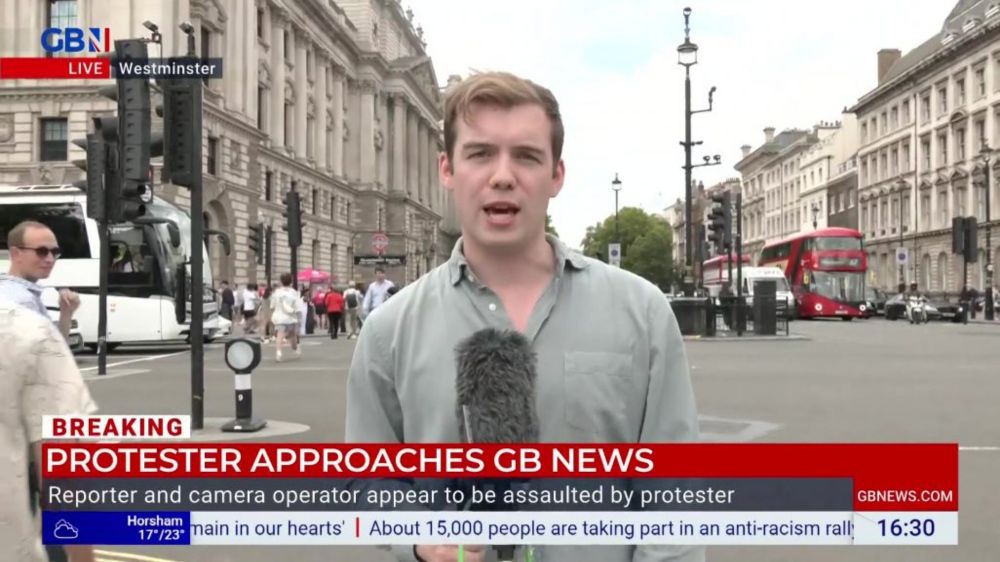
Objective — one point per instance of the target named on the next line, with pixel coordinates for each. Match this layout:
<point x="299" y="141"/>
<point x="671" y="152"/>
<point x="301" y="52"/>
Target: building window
<point x="943" y="149"/>
<point x="268" y="185"/>
<point x="61" y="13"/>
<point x="315" y="202"/>
<point x="980" y="135"/>
<point x="905" y="155"/>
<point x="347" y="212"/>
<point x="943" y="214"/>
<point x="906" y="112"/>
<point x="895" y="162"/>
<point x="206" y="51"/>
<point x="885" y="123"/>
<point x="874" y="127"/>
<point x="925" y="153"/>
<point x="289" y="122"/>
<point x="884" y="168"/>
<point x="864" y="171"/>
<point x="53" y="140"/>
<point x="942" y="100"/>
<point x="333" y="207"/>
<point x="864" y="132"/>
<point x="959" y="145"/>
<point x="980" y="83"/>
<point x="925" y="103"/>
<point x="210" y="161"/>
<point x="850" y="198"/>
<point x="925" y="209"/>
<point x="960" y="200"/>
<point x="960" y="92"/>
<point x="260" y="23"/>
<point x="895" y="117"/>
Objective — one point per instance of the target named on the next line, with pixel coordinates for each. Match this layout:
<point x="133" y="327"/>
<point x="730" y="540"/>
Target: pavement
<point x="863" y="381"/>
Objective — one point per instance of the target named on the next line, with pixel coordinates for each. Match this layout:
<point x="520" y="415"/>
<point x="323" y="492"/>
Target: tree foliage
<point x="549" y="229"/>
<point x="646" y="242"/>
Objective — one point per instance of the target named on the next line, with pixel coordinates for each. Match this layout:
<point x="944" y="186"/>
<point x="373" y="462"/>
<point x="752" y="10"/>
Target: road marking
<point x="111" y="556"/>
<point x="972" y="448"/>
<point x="125" y="373"/>
<point x="745" y="430"/>
<point x="130" y="361"/>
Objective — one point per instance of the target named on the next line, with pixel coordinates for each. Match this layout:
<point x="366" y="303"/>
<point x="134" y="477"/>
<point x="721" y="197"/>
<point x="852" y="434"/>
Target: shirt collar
<point x="33" y="287"/>
<point x="458" y="266"/>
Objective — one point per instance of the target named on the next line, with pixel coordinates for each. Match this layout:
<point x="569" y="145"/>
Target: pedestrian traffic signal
<point x="293" y="218"/>
<point x="721" y="222"/>
<point x="256" y="241"/>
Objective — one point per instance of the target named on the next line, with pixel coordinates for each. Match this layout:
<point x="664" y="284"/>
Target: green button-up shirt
<point x="611" y="367"/>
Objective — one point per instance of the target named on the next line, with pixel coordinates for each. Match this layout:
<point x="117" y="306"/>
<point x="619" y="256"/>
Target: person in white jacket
<point x="285" y="306"/>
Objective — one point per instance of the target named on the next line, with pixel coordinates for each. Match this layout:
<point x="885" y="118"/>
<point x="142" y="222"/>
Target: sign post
<point x="615" y="254"/>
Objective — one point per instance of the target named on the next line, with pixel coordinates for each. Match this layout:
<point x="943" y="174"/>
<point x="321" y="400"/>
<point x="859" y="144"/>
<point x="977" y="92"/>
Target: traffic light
<point x="957" y="235"/>
<point x="133" y="134"/>
<point x="971" y="249"/>
<point x="181" y="112"/>
<point x="256" y="241"/>
<point x="93" y="166"/>
<point x="721" y="222"/>
<point x="293" y="219"/>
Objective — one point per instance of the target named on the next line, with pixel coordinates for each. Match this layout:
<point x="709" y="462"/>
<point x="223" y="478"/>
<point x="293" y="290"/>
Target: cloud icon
<point x="65" y="531"/>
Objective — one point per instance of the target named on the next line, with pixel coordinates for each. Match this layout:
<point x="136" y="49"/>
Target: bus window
<point x="838" y="243"/>
<point x="65" y="219"/>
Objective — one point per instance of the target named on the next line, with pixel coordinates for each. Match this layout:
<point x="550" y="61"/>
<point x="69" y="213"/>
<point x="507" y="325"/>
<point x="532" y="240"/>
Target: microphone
<point x="495" y="398"/>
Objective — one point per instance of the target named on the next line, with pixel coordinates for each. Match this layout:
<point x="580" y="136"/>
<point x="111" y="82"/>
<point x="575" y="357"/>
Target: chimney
<point x="887" y="58"/>
<point x="768" y="134"/>
<point x="746" y="150"/>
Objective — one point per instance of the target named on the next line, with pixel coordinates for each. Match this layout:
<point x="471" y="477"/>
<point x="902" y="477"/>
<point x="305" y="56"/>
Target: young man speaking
<point x="610" y="373"/>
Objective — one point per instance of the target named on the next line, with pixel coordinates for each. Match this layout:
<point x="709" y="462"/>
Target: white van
<point x="783" y="291"/>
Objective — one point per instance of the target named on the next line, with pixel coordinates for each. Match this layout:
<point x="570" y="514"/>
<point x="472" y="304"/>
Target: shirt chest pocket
<point x="597" y="386"/>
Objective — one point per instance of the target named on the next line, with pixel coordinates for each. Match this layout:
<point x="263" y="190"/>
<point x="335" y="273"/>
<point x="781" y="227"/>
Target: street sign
<point x="379" y="260"/>
<point x="380" y="241"/>
<point x="615" y="254"/>
<point x="902" y="256"/>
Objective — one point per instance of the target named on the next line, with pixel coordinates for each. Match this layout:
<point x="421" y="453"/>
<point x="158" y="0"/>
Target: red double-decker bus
<point x="826" y="269"/>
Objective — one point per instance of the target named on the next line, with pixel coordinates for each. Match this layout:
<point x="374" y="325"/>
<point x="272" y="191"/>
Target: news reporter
<point x="38" y="376"/>
<point x="611" y="360"/>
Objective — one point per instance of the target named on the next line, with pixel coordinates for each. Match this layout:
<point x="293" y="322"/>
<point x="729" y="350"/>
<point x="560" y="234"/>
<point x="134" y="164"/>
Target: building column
<point x="422" y="160"/>
<point x="337" y="104"/>
<point x="319" y="120"/>
<point x="301" y="97"/>
<point x="277" y="121"/>
<point x="399" y="146"/>
<point x="368" y="164"/>
<point x="412" y="153"/>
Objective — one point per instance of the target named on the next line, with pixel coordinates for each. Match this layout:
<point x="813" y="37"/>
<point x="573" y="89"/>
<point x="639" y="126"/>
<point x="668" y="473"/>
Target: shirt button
<point x="493" y="307"/>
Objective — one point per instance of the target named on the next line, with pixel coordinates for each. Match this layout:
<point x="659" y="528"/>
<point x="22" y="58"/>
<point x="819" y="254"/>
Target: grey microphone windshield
<point x="495" y="388"/>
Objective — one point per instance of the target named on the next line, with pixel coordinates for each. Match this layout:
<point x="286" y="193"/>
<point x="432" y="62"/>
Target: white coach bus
<point x="147" y="263"/>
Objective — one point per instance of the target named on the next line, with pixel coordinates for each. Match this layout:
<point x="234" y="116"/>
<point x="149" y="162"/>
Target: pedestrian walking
<point x="251" y="302"/>
<point x="352" y="305"/>
<point x="227" y="301"/>
<point x="376" y="294"/>
<point x="264" y="316"/>
<point x="285" y="307"/>
<point x="334" y="306"/>
<point x="319" y="305"/>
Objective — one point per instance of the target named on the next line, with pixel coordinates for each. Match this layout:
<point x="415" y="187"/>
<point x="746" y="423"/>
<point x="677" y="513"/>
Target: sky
<point x="613" y="67"/>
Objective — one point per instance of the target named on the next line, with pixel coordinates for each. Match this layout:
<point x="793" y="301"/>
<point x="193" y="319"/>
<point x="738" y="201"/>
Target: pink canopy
<point x="313" y="276"/>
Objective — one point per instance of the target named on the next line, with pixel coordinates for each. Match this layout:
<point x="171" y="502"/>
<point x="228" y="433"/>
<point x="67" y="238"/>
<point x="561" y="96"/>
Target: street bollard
<point x="242" y="356"/>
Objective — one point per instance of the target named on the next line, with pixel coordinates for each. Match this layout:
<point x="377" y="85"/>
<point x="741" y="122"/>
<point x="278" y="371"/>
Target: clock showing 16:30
<point x="906" y="527"/>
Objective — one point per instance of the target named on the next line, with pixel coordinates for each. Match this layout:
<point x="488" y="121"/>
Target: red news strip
<point x="887" y="477"/>
<point x="61" y="68"/>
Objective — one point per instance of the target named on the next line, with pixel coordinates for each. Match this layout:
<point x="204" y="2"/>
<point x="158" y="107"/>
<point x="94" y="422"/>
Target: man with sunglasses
<point x="33" y="253"/>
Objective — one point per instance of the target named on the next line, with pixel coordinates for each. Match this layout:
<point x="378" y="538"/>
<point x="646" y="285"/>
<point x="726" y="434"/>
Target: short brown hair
<point x="15" y="238"/>
<point x="501" y="89"/>
<point x="286" y="279"/>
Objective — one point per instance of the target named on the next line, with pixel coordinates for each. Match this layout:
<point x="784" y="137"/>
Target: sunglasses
<point x="43" y="252"/>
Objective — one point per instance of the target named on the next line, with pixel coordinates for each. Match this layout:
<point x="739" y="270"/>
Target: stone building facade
<point x="335" y="99"/>
<point x="922" y="132"/>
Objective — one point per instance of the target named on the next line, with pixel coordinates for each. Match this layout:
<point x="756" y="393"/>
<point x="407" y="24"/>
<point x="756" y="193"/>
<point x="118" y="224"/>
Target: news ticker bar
<point x="346" y="528"/>
<point x="86" y="68"/>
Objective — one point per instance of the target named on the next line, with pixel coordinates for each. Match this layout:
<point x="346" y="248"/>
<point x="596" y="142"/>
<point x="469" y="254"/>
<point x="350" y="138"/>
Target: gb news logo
<point x="76" y="40"/>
